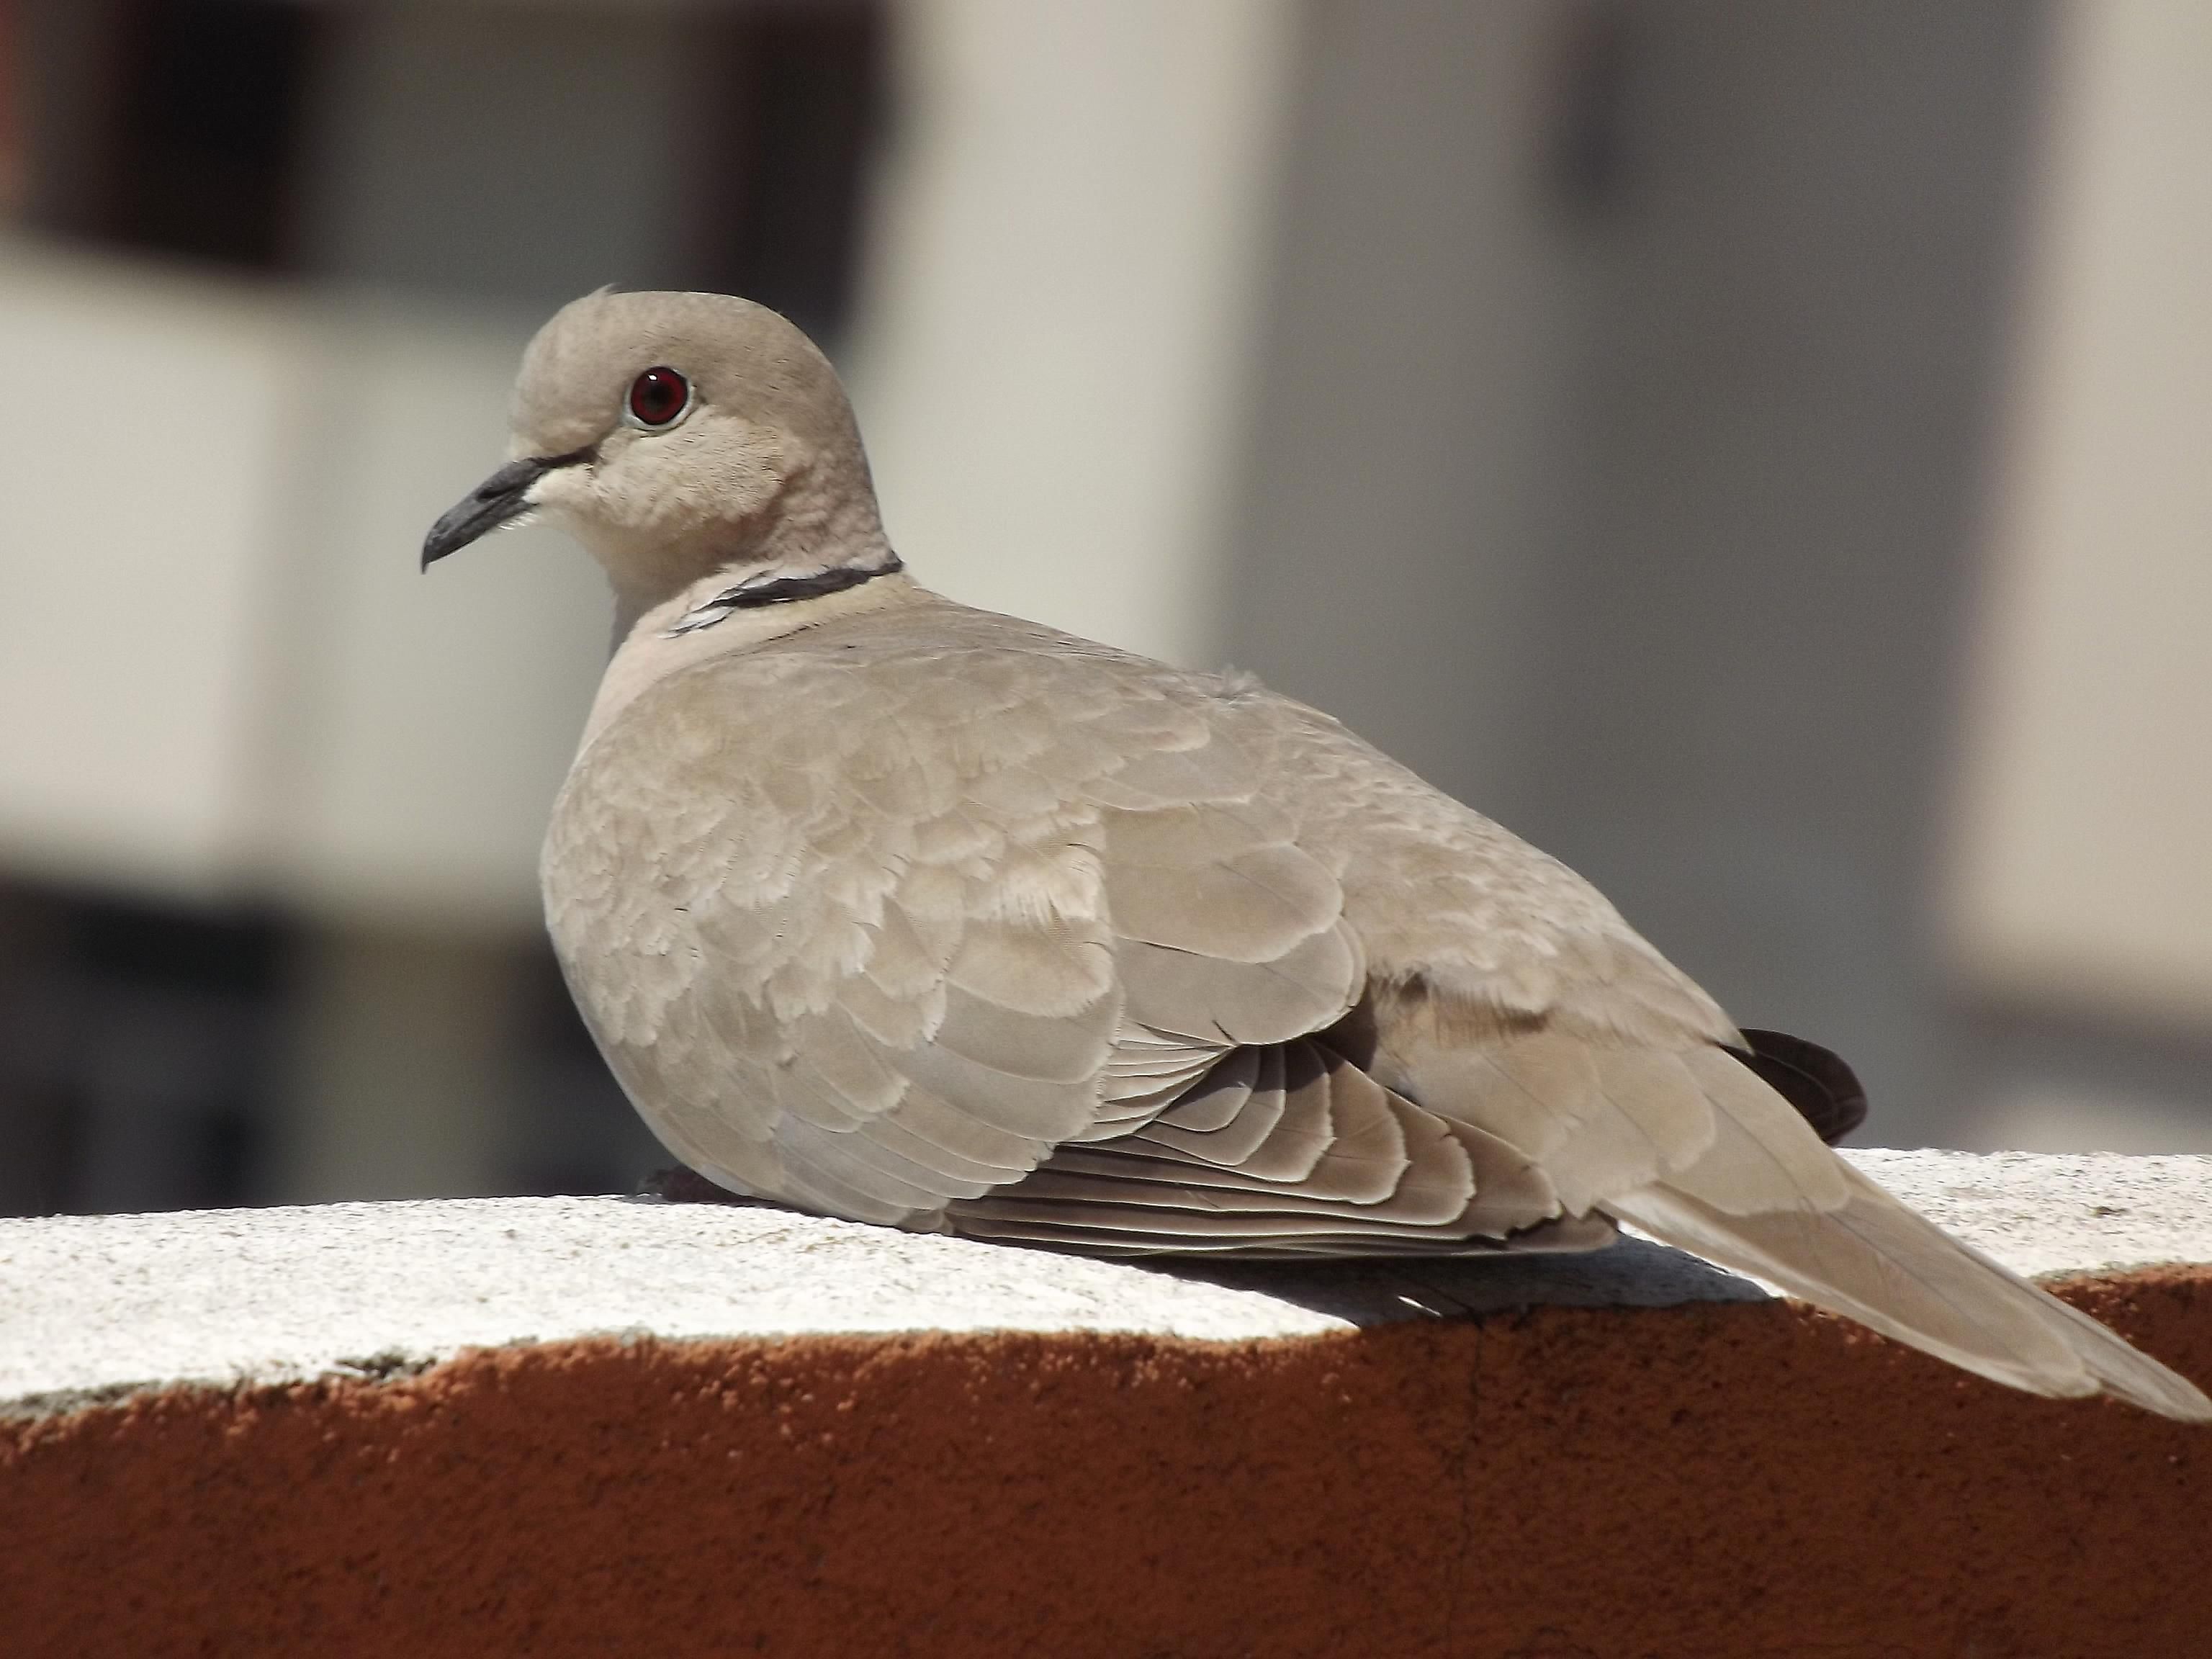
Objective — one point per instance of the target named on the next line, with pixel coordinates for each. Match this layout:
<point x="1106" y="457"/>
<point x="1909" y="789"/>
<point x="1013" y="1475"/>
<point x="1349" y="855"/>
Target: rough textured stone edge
<point x="1571" y="1484"/>
<point x="94" y="1311"/>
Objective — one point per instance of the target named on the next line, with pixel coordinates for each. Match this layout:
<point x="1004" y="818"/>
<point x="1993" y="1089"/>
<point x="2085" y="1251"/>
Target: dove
<point x="896" y="910"/>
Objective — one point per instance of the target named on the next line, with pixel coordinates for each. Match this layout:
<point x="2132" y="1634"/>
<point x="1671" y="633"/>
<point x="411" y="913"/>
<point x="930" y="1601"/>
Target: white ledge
<point x="94" y="1307"/>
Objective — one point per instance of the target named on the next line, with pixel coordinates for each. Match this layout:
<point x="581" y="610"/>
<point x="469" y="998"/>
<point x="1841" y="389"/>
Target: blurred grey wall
<point x="1625" y="410"/>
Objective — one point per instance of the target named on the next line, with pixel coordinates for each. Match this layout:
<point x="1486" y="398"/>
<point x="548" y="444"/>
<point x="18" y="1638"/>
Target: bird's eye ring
<point x="658" y="399"/>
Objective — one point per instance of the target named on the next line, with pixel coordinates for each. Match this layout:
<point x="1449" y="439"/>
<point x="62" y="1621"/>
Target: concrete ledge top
<point x="96" y="1307"/>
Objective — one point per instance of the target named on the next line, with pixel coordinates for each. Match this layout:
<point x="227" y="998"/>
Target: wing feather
<point x="1233" y="1003"/>
<point x="1306" y="1150"/>
<point x="1881" y="1263"/>
<point x="1214" y="1101"/>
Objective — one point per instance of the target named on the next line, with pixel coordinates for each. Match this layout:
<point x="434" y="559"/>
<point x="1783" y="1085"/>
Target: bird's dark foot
<point x="681" y="1185"/>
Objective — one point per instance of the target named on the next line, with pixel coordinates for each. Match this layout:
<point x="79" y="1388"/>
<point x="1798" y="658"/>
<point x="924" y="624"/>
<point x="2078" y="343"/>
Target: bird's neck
<point x="696" y="626"/>
<point x="805" y="534"/>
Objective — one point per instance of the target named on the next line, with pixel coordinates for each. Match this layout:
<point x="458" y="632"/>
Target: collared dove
<point x="900" y="911"/>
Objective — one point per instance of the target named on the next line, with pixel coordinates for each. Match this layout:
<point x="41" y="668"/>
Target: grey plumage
<point x="908" y="913"/>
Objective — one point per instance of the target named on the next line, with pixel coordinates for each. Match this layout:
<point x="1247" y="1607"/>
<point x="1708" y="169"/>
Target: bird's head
<point x="677" y="436"/>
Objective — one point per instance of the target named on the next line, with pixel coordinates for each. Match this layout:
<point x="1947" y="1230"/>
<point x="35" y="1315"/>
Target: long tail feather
<point x="1875" y="1260"/>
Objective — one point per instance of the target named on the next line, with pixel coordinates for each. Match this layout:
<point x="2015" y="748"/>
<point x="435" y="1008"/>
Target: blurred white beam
<point x="221" y="672"/>
<point x="1057" y="312"/>
<point x="143" y="439"/>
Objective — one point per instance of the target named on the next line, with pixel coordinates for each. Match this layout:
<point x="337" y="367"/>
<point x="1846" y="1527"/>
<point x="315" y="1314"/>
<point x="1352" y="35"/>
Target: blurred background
<point x="1762" y="454"/>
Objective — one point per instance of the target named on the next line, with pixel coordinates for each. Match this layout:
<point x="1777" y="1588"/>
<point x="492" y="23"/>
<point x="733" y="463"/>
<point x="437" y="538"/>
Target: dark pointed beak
<point x="499" y="499"/>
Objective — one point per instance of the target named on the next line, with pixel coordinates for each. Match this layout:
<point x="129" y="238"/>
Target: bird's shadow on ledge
<point x="1633" y="1272"/>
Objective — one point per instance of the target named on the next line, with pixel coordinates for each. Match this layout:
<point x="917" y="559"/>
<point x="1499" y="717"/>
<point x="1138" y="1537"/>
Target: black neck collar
<point x="784" y="590"/>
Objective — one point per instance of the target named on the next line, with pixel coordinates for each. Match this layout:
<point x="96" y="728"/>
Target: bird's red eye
<point x="658" y="397"/>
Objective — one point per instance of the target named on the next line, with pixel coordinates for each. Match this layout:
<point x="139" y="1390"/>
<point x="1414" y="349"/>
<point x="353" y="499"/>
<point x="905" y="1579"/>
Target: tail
<point x="1871" y="1259"/>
